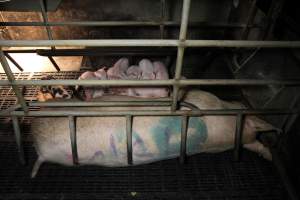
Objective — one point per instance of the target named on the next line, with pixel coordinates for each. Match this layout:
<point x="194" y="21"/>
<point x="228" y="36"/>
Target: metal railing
<point x="181" y="44"/>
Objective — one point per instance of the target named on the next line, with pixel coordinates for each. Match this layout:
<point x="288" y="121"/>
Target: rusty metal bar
<point x="238" y="136"/>
<point x="162" y="18"/>
<point x="184" y="129"/>
<point x="228" y="112"/>
<point x="54" y="63"/>
<point x="129" y="138"/>
<point x="19" y="140"/>
<point x="13" y="61"/>
<point x="73" y="138"/>
<point x="180" y="49"/>
<point x="11" y="80"/>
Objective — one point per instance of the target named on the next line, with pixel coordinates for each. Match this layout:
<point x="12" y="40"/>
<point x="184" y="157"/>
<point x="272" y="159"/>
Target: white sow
<point x="102" y="140"/>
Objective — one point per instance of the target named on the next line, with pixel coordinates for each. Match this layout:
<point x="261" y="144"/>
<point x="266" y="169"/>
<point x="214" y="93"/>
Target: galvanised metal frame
<point x="176" y="82"/>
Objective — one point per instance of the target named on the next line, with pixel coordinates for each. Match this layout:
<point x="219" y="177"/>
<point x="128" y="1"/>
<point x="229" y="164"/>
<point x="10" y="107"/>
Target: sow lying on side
<point x="102" y="140"/>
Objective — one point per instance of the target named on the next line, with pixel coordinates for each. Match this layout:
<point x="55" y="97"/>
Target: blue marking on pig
<point x="162" y="132"/>
<point x="194" y="141"/>
<point x="113" y="145"/>
<point x="168" y="127"/>
<point x="139" y="148"/>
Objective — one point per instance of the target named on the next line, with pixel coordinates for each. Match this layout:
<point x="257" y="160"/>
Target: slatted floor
<point x="205" y="176"/>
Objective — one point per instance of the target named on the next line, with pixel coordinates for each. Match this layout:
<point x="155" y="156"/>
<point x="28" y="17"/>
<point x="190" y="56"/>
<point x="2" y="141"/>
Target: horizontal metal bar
<point x="131" y="23"/>
<point x="11" y="108"/>
<point x="208" y="82"/>
<point x="102" y="103"/>
<point x="57" y="113"/>
<point x="151" y="43"/>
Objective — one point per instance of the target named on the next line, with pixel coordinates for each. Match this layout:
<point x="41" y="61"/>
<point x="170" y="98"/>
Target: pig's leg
<point x="259" y="148"/>
<point x="37" y="166"/>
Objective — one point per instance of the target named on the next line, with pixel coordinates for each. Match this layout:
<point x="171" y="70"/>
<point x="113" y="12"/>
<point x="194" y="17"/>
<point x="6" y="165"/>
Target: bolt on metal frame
<point x="177" y="82"/>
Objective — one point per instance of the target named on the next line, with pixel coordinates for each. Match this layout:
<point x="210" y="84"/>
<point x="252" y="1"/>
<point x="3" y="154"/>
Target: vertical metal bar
<point x="45" y="19"/>
<point x="250" y="18"/>
<point x="73" y="137"/>
<point x="54" y="63"/>
<point x="11" y="79"/>
<point x="180" y="51"/>
<point x="184" y="128"/>
<point x="129" y="138"/>
<point x="19" y="140"/>
<point x="238" y="136"/>
<point x="162" y="18"/>
<point x="13" y="61"/>
<point x="272" y="16"/>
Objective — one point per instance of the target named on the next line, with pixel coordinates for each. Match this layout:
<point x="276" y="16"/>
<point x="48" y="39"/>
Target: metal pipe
<point x="162" y="18"/>
<point x="184" y="129"/>
<point x="203" y="24"/>
<point x="238" y="136"/>
<point x="180" y="50"/>
<point x="45" y="19"/>
<point x="250" y="19"/>
<point x="154" y="102"/>
<point x="152" y="43"/>
<point x="185" y="82"/>
<point x="18" y="137"/>
<point x="55" y="113"/>
<point x="73" y="138"/>
<point x="129" y="138"/>
<point x="10" y="109"/>
<point x="178" y="68"/>
<point x="11" y="80"/>
<point x="54" y="63"/>
<point x="13" y="61"/>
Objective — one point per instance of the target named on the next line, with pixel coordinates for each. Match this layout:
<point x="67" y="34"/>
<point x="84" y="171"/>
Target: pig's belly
<point x="102" y="140"/>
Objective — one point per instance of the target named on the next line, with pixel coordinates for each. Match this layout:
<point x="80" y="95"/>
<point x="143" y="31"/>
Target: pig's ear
<point x="258" y="124"/>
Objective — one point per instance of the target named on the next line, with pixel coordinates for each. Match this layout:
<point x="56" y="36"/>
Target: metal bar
<point x="228" y="112"/>
<point x="185" y="82"/>
<point x="250" y="18"/>
<point x="13" y="61"/>
<point x="129" y="138"/>
<point x="180" y="50"/>
<point x="152" y="43"/>
<point x="54" y="63"/>
<point x="11" y="108"/>
<point x="184" y="129"/>
<point x="102" y="103"/>
<point x="178" y="68"/>
<point x="203" y="24"/>
<point x="11" y="80"/>
<point x="18" y="137"/>
<point x="162" y="16"/>
<point x="73" y="138"/>
<point x="45" y="19"/>
<point x="238" y="136"/>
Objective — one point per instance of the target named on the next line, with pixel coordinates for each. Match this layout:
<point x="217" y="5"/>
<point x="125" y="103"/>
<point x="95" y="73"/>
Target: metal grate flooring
<point x="7" y="96"/>
<point x="205" y="176"/>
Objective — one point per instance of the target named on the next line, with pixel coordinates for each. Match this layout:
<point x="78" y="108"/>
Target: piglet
<point x="118" y="70"/>
<point x="150" y="71"/>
